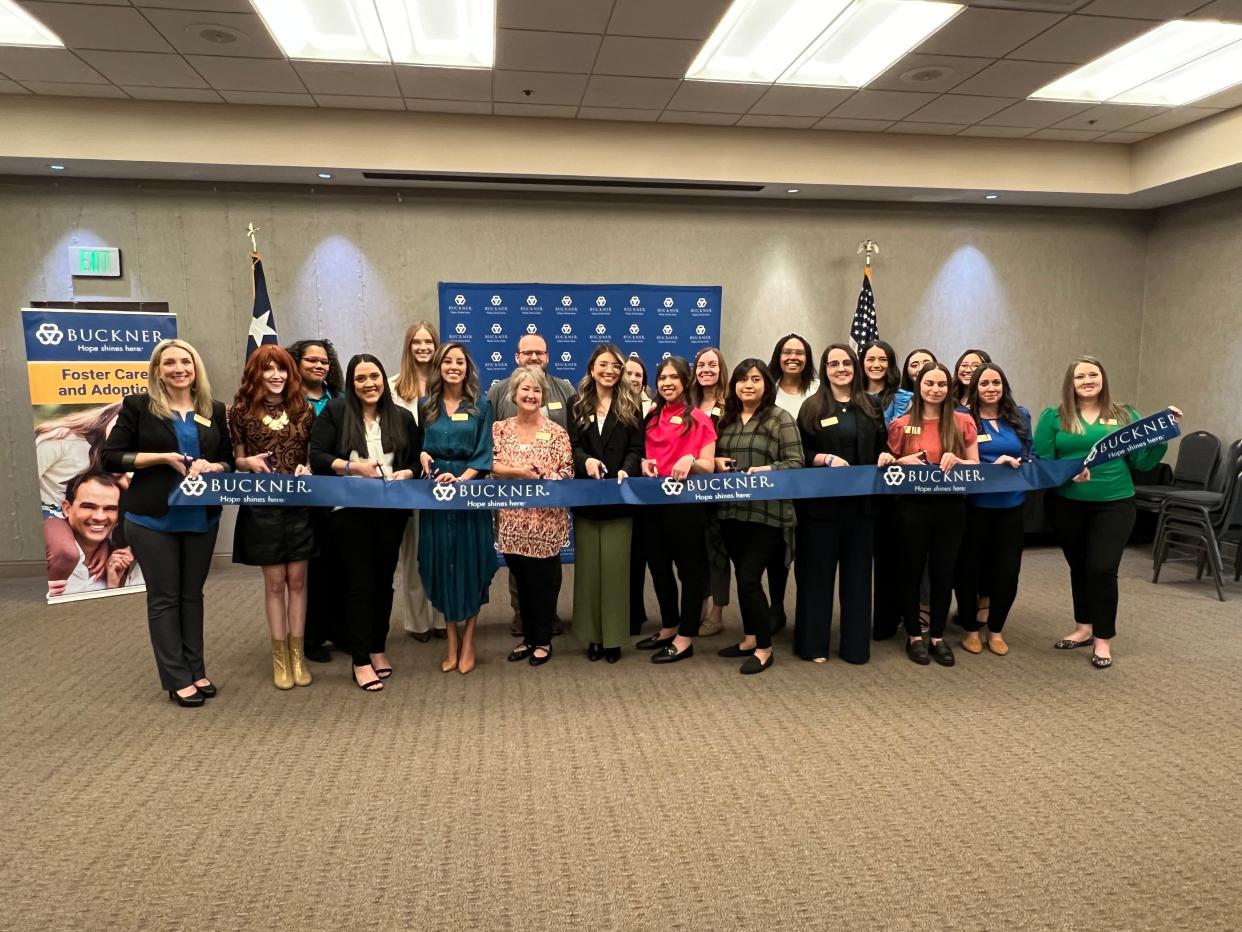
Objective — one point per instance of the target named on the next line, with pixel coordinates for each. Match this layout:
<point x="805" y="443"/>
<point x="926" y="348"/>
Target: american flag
<point x="262" y="320"/>
<point x="864" y="329"/>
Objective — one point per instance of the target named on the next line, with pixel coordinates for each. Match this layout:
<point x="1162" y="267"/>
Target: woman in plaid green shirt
<point x="755" y="436"/>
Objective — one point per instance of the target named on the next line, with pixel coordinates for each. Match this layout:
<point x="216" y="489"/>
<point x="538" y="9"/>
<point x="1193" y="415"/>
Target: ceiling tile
<point x="1228" y="10"/>
<point x="1013" y="78"/>
<point x="554" y="15"/>
<point x="102" y="2"/>
<point x="145" y="69"/>
<point x="882" y="105"/>
<point x="959" y="109"/>
<point x="1047" y="6"/>
<point x="444" y="83"/>
<point x="209" y="6"/>
<point x="11" y="87"/>
<point x="641" y="93"/>
<point x="789" y="122"/>
<point x="58" y="65"/>
<point x="705" y="119"/>
<point x="356" y="80"/>
<point x="998" y="132"/>
<point x="194" y="94"/>
<point x="853" y="126"/>
<point x="1125" y="138"/>
<point x="547" y="88"/>
<point x="1108" y="117"/>
<point x="1080" y="39"/>
<point x="646" y="58"/>
<point x="716" y="97"/>
<point x="926" y="129"/>
<point x="184" y="29"/>
<point x="1141" y="9"/>
<point x="269" y="99"/>
<point x="247" y="74"/>
<point x="81" y="26"/>
<point x="347" y="102"/>
<point x="1167" y="121"/>
<point x="529" y="50"/>
<point x="57" y="89"/>
<point x="800" y="101"/>
<point x="982" y="32"/>
<point x="618" y="113"/>
<point x="1035" y="114"/>
<point x="430" y="105"/>
<point x="534" y="110"/>
<point x="920" y="71"/>
<point x="1064" y="135"/>
<point x="681" y="19"/>
<point x="1226" y="99"/>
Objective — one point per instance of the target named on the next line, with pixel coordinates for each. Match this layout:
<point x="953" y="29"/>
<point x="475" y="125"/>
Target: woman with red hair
<point x="270" y="424"/>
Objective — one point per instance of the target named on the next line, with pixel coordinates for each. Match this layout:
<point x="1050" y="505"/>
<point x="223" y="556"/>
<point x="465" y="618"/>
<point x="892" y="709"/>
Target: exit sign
<point x="94" y="262"/>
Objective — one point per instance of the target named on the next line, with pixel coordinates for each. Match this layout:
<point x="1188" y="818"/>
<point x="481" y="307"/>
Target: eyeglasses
<point x="535" y="353"/>
<point x="793" y="354"/>
<point x="838" y="364"/>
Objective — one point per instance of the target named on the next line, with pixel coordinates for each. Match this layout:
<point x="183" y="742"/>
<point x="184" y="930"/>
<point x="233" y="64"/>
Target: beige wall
<point x="1034" y="286"/>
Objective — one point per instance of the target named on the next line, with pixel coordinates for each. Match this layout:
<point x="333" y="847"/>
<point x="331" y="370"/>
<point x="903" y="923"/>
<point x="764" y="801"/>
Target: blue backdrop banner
<point x="653" y="321"/>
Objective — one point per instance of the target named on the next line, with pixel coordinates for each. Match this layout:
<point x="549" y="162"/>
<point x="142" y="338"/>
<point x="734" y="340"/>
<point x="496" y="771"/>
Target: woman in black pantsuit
<point x="174" y="430"/>
<point x="840" y="426"/>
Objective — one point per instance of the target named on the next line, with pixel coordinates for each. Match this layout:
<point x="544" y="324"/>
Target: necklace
<point x="276" y="423"/>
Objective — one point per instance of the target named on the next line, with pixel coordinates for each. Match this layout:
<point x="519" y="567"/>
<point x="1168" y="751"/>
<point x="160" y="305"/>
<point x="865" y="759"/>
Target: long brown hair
<point x="407" y="378"/>
<point x="252" y="391"/>
<point x="625" y="404"/>
<point x="694" y="393"/>
<point x="470" y="391"/>
<point x="1068" y="409"/>
<point x="90" y="424"/>
<point x="817" y="406"/>
<point x="951" y="439"/>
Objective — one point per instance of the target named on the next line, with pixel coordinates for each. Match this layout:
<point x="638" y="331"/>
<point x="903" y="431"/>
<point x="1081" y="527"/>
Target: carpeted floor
<point x="1024" y="792"/>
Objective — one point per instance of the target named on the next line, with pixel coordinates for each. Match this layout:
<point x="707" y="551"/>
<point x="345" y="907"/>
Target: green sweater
<point x="1110" y="481"/>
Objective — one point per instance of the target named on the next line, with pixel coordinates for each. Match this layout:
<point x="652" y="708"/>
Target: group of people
<point x="893" y="561"/>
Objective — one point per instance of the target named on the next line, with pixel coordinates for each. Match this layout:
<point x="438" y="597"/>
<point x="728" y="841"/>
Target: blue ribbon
<point x="1160" y="427"/>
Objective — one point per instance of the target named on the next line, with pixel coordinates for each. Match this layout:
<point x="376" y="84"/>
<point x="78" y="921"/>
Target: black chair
<point x="1197" y="523"/>
<point x="1198" y="458"/>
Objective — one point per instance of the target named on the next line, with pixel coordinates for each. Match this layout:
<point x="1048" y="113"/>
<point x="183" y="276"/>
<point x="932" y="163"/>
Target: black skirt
<point x="271" y="536"/>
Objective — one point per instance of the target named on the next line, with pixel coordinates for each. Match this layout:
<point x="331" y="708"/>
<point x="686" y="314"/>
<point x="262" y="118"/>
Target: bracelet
<point x="346" y="473"/>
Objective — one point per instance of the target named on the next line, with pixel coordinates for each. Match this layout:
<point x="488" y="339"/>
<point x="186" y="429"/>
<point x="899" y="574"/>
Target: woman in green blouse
<point x="1093" y="515"/>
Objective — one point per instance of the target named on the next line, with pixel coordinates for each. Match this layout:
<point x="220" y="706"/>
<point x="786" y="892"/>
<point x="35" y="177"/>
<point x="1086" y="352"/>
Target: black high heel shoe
<point x="192" y="701"/>
<point x="595" y="652"/>
<point x="612" y="654"/>
<point x="207" y="692"/>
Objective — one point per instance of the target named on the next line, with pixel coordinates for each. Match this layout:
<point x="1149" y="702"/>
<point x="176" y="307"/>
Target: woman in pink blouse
<point x="529" y="446"/>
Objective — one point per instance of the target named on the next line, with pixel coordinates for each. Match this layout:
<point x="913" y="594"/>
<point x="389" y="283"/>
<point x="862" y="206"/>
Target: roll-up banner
<point x="80" y="364"/>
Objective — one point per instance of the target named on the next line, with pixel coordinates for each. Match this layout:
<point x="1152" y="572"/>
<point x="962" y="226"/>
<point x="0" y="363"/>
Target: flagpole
<point x="869" y="247"/>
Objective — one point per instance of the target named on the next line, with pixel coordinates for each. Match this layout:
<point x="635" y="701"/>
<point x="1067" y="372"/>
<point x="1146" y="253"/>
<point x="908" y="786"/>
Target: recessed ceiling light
<point x="792" y="190"/>
<point x="1172" y="64"/>
<point x="866" y="39"/>
<point x="757" y="39"/>
<point x="458" y="33"/>
<point x="990" y="197"/>
<point x="57" y="168"/>
<point x="325" y="175"/>
<point x="17" y="27"/>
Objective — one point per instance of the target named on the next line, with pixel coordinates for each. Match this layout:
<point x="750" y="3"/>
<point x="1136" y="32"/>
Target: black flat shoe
<point x="207" y="692"/>
<point x="754" y="665"/>
<point x="733" y="651"/>
<point x="521" y="652"/>
<point x="317" y="652"/>
<point x="595" y="652"/>
<point x="917" y="651"/>
<point x="421" y="636"/>
<point x="655" y="642"/>
<point x="1101" y="663"/>
<point x="536" y="660"/>
<point x="441" y="634"/>
<point x="942" y="653"/>
<point x="1071" y="644"/>
<point x="192" y="701"/>
<point x="670" y="654"/>
<point x="612" y="654"/>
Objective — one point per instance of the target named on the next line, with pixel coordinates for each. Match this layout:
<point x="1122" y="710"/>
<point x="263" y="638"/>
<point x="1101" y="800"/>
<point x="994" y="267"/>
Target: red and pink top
<point x="666" y="443"/>
<point x="905" y="439"/>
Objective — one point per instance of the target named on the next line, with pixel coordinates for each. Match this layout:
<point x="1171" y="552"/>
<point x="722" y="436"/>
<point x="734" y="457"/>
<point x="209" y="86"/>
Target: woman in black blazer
<point x="606" y="433"/>
<point x="175" y="430"/>
<point x="840" y="426"/>
<point x="367" y="435"/>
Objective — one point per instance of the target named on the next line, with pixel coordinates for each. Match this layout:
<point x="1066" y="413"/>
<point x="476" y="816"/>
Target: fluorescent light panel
<point x="456" y="33"/>
<point x="17" y="27"/>
<point x="1173" y="64"/>
<point x="866" y="39"/>
<point x="757" y="39"/>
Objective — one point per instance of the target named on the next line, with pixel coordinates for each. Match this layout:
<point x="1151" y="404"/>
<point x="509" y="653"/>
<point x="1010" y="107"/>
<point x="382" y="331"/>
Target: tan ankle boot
<point x="280" y="665"/>
<point x="297" y="660"/>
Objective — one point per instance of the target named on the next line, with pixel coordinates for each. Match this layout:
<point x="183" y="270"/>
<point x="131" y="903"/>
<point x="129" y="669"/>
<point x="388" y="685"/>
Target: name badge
<point x="913" y="430"/>
<point x="543" y="435"/>
<point x="675" y="419"/>
<point x="828" y="422"/>
<point x="461" y="416"/>
<point x="199" y="419"/>
<point x="716" y="412"/>
<point x="554" y="406"/>
<point x="984" y="438"/>
<point x="1109" y="421"/>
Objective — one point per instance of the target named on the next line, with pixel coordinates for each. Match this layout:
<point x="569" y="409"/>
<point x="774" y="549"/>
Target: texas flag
<point x="262" y="320"/>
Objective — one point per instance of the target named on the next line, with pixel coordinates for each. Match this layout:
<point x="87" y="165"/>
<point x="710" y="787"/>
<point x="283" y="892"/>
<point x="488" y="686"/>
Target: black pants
<point x="1093" y="537"/>
<point x="638" y="572"/>
<point x="752" y="548"/>
<point x="989" y="562"/>
<point x="325" y="596"/>
<point x="538" y="581"/>
<point x="929" y="532"/>
<point x="887" y="610"/>
<point x="824" y="546"/>
<point x="778" y="581"/>
<point x="174" y="566"/>
<point x="674" y="536"/>
<point x="369" y="540"/>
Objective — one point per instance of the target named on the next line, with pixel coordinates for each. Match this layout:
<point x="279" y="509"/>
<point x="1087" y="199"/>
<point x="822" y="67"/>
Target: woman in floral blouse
<point x="529" y="446"/>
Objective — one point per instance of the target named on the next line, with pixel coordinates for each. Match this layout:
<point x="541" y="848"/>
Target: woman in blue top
<point x="991" y="554"/>
<point x="882" y="379"/>
<point x="456" y="548"/>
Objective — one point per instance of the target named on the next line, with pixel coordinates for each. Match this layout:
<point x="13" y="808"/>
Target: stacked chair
<point x="1198" y="457"/>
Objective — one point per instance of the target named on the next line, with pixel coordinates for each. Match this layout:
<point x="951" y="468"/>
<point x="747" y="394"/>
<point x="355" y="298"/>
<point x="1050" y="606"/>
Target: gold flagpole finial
<point x="251" y="230"/>
<point x="870" y="247"/>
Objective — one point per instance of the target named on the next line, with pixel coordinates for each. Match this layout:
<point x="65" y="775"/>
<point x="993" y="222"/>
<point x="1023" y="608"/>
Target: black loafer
<point x="612" y="654"/>
<point x="317" y="653"/>
<point x="595" y="652"/>
<point x="942" y="653"/>
<point x="207" y="692"/>
<point x="916" y="650"/>
<point x="192" y="701"/>
<point x="670" y="654"/>
<point x="521" y="652"/>
<point x="754" y="665"/>
<point x="421" y="636"/>
<point x="733" y="651"/>
<point x="654" y="642"/>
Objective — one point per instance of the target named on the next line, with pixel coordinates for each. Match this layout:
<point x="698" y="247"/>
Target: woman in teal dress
<point x="456" y="547"/>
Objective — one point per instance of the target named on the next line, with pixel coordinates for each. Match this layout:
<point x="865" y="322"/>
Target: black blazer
<point x="326" y="444"/>
<point x="618" y="447"/>
<point x="137" y="431"/>
<point x="872" y="440"/>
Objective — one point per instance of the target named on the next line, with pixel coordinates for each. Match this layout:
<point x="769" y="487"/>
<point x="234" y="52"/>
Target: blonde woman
<point x="418" y="617"/>
<point x="174" y="430"/>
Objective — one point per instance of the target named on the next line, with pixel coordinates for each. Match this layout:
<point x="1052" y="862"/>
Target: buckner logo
<point x="668" y="302"/>
<point x="495" y="300"/>
<point x="634" y="329"/>
<point x="497" y="357"/>
<point x="666" y="356"/>
<point x="49" y="334"/>
<point x="567" y="329"/>
<point x="567" y="301"/>
<point x="668" y="330"/>
<point x="601" y="329"/>
<point x="702" y="302"/>
<point x="531" y="300"/>
<point x="894" y="476"/>
<point x="444" y="491"/>
<point x="531" y="328"/>
<point x="460" y="329"/>
<point x="700" y="330"/>
<point x="567" y="356"/>
<point x="671" y="486"/>
<point x="633" y="300"/>
<point x="194" y="486"/>
<point x="601" y="301"/>
<point x="496" y="328"/>
<point x="459" y="299"/>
